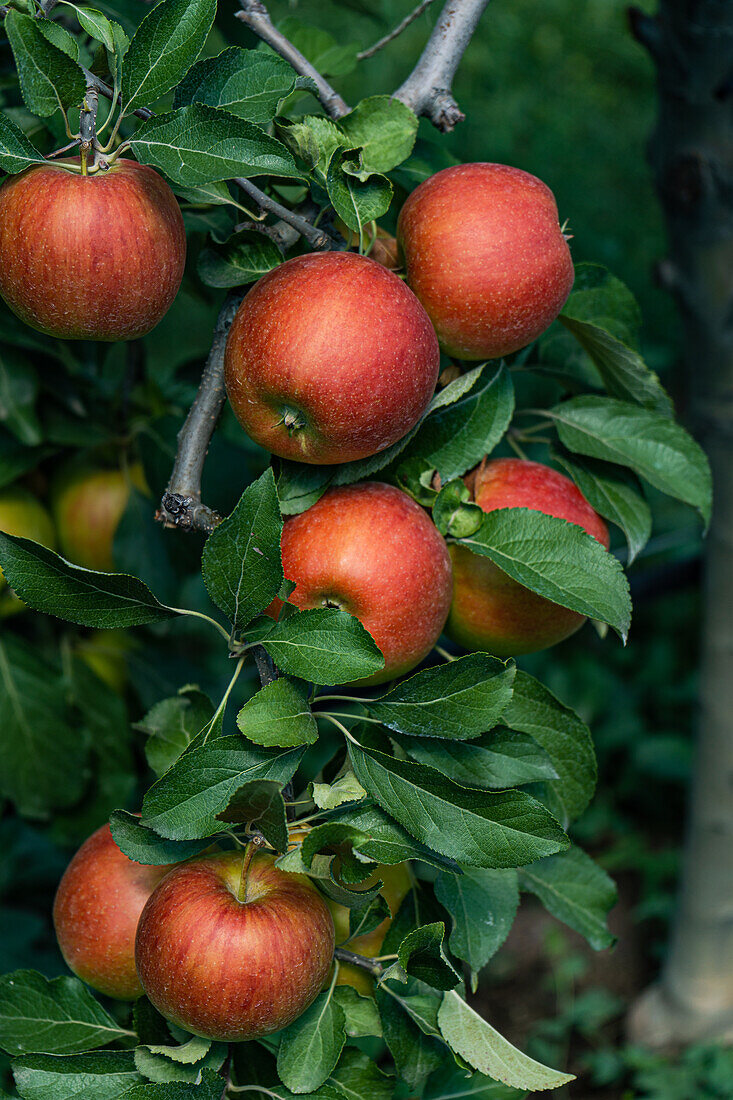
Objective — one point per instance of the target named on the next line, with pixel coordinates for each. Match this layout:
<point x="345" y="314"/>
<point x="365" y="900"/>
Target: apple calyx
<point x="293" y="420"/>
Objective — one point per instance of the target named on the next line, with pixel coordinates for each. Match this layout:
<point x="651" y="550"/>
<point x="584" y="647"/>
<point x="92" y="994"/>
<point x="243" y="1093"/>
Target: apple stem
<point x="254" y="845"/>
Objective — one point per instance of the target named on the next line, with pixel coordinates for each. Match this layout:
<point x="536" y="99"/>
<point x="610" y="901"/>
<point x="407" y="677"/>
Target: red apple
<point x="486" y="256"/>
<point x="330" y="358"/>
<point x="90" y="257"/>
<point x="95" y="913"/>
<point x="490" y="611"/>
<point x="234" y="956"/>
<point x="372" y="551"/>
<point x="88" y="505"/>
<point x="23" y="515"/>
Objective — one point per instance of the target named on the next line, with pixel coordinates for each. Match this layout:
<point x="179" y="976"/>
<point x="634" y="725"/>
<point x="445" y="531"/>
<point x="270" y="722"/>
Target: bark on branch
<point x="181" y="505"/>
<point x="316" y="238"/>
<point x="427" y="89"/>
<point x="255" y="15"/>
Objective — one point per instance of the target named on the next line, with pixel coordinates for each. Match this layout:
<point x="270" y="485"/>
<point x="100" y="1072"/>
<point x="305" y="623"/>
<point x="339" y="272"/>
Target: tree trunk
<point x="691" y="153"/>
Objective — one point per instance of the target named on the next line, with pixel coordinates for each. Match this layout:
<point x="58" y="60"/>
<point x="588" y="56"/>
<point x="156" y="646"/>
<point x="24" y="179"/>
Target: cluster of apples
<point x="225" y="945"/>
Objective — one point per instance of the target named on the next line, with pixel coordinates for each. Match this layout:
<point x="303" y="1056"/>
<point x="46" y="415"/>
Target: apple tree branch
<point x="427" y="89"/>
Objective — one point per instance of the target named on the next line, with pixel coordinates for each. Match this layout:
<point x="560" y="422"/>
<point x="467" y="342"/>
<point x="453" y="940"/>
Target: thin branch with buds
<point x="316" y="238"/>
<point x="421" y="7"/>
<point x="255" y="15"/>
<point x="427" y="89"/>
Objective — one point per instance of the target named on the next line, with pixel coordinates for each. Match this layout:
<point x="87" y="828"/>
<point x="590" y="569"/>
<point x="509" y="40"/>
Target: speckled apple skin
<point x="90" y="257"/>
<point x="338" y="339"/>
<point x="492" y="612"/>
<point x="232" y="970"/>
<point x="371" y="550"/>
<point x="485" y="255"/>
<point x="95" y="913"/>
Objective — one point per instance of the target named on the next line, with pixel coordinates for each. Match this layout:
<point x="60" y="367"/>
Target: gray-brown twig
<point x="316" y="238"/>
<point x="181" y="505"/>
<point x="255" y="15"/>
<point x="421" y="7"/>
<point x="427" y="89"/>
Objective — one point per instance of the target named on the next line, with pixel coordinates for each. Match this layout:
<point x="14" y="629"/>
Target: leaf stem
<point x="222" y="705"/>
<point x="207" y="618"/>
<point x="340" y="726"/>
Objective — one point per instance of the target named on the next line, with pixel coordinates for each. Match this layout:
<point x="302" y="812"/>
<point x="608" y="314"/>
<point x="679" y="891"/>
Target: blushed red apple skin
<point x="371" y="550"/>
<point x="90" y="257"/>
<point x="485" y="254"/>
<point x="232" y="970"/>
<point x="95" y="913"/>
<point x="492" y="612"/>
<point x="87" y="505"/>
<point x="341" y="342"/>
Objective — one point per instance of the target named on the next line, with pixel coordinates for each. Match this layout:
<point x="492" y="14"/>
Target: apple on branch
<point x="490" y="610"/>
<point x="486" y="256"/>
<point x="88" y="504"/>
<point x="90" y="257"/>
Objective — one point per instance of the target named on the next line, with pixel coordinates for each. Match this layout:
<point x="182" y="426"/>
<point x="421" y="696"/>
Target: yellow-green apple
<point x="105" y="653"/>
<point x="97" y="257"/>
<point x="95" y="913"/>
<point x="490" y="610"/>
<point x="330" y="358"/>
<point x="88" y="504"/>
<point x="23" y="515"/>
<point x="397" y="884"/>
<point x="485" y="254"/>
<point x="233" y="952"/>
<point x="369" y="549"/>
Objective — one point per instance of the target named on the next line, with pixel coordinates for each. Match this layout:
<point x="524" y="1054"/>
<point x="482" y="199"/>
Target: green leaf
<point x="172" y="724"/>
<point x="576" y="891"/>
<point x="312" y="140"/>
<point x="58" y="36"/>
<point x="104" y="1075"/>
<point x="416" y="1049"/>
<point x="163" y="49"/>
<point x="460" y="699"/>
<point x="183" y="804"/>
<point x="311" y="1045"/>
<point x="18" y="394"/>
<point x="323" y="646"/>
<point x="384" y="129"/>
<point x="557" y="560"/>
<point x="421" y="955"/>
<point x="499" y="759"/>
<point x="453" y="511"/>
<point x="143" y="845"/>
<point x="279" y="714"/>
<point x="209" y="1088"/>
<point x="43" y="759"/>
<point x="565" y="738"/>
<point x="356" y="201"/>
<point x="96" y="25"/>
<point x="482" y="904"/>
<point x="602" y="319"/>
<point x="164" y="1063"/>
<point x="16" y="459"/>
<point x="244" y="258"/>
<point x="656" y="448"/>
<point x="615" y="494"/>
<point x="486" y="1050"/>
<point x="465" y="421"/>
<point x="260" y="802"/>
<point x="364" y="919"/>
<point x="361" y="1016"/>
<point x="47" y="583"/>
<point x="38" y="1016"/>
<point x="250" y="84"/>
<point x="49" y="78"/>
<point x="16" y="151"/>
<point x="382" y="840"/>
<point x="451" y="1083"/>
<point x="327" y="796"/>
<point x="330" y="57"/>
<point x="197" y="144"/>
<point x="241" y="563"/>
<point x="358" y="1077"/>
<point x="481" y="828"/>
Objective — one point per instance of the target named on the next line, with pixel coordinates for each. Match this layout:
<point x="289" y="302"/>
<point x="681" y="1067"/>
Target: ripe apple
<point x="88" y="505"/>
<point x="372" y="551"/>
<point x="490" y="611"/>
<point x="397" y="885"/>
<point x="234" y="956"/>
<point x="96" y="257"/>
<point x="95" y="913"/>
<point x="23" y="515"/>
<point x="486" y="256"/>
<point x="330" y="358"/>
